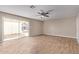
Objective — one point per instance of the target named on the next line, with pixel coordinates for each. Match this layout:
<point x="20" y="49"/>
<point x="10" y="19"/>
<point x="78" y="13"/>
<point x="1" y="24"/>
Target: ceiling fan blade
<point x="46" y="16"/>
<point x="38" y="12"/>
<point x="50" y="10"/>
<point x="42" y="10"/>
<point x="38" y="15"/>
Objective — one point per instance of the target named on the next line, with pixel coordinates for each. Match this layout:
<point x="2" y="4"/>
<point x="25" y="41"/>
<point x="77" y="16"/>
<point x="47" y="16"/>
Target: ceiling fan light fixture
<point x="45" y="13"/>
<point x="32" y="6"/>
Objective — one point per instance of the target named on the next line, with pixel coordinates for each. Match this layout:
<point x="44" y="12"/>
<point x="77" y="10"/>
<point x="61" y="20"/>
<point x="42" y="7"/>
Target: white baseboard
<point x="62" y="36"/>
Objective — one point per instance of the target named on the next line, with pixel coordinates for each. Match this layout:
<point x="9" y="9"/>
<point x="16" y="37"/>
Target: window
<point x="15" y="28"/>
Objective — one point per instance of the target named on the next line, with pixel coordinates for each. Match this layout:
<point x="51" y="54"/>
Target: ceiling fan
<point x="45" y="13"/>
<point x="42" y="13"/>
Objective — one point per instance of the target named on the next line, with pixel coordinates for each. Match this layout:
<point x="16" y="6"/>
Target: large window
<point x="15" y="28"/>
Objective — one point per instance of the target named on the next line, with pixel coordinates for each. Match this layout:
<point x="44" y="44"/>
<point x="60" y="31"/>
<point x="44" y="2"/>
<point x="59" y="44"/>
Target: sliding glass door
<point x="15" y="28"/>
<point x="24" y="28"/>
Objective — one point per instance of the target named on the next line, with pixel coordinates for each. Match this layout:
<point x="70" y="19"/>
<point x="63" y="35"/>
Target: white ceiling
<point x="60" y="11"/>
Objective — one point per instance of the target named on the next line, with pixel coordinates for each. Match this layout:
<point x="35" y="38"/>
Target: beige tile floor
<point x="42" y="44"/>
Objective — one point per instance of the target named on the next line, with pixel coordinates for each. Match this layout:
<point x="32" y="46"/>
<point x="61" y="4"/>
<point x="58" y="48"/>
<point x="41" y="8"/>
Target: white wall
<point x="36" y="28"/>
<point x="61" y="27"/>
<point x="77" y="28"/>
<point x="1" y="30"/>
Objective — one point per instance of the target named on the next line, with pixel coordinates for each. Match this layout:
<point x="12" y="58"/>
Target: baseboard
<point x="55" y="35"/>
<point x="61" y="36"/>
<point x="35" y="35"/>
